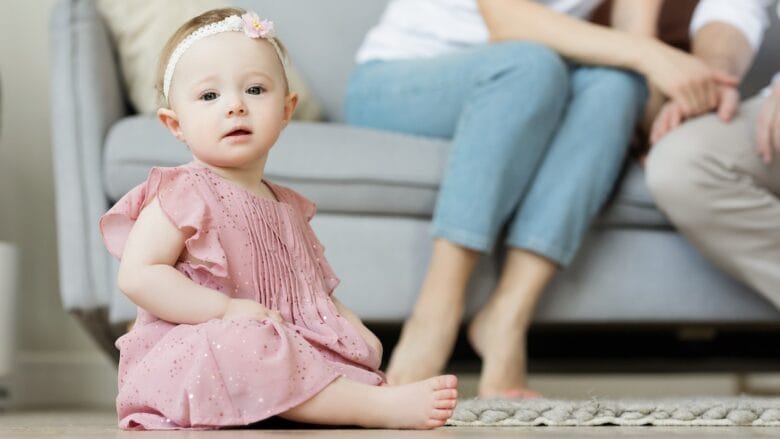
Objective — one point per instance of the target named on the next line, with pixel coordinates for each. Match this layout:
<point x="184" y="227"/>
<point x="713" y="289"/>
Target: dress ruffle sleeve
<point x="184" y="206"/>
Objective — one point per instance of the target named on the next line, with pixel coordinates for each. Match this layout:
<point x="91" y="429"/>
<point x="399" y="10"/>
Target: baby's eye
<point x="255" y="90"/>
<point x="208" y="96"/>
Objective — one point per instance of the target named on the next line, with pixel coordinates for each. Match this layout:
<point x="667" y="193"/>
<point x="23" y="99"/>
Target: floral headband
<point x="249" y="23"/>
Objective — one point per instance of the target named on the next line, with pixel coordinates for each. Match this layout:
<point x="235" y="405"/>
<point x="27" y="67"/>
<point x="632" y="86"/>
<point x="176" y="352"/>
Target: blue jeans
<point x="537" y="144"/>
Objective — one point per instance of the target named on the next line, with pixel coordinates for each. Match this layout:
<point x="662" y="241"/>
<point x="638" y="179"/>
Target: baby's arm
<point x="148" y="278"/>
<point x="351" y="317"/>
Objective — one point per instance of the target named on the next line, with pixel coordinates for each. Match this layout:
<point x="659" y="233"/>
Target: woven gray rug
<point x="737" y="411"/>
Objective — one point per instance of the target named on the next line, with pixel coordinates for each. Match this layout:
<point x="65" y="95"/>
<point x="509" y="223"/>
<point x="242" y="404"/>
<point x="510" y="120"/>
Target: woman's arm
<point x="571" y="37"/>
<point x="679" y="75"/>
<point x="148" y="278"/>
<point x="636" y="17"/>
<point x="641" y="18"/>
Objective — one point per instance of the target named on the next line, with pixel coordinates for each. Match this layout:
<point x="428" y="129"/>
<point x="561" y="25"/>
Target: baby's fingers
<point x="274" y="315"/>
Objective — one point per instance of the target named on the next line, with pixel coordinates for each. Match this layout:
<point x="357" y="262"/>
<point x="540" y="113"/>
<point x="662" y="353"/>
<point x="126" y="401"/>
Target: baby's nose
<point x="236" y="110"/>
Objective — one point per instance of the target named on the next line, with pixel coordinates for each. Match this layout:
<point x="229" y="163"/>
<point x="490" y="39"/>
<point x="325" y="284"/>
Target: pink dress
<point x="223" y="373"/>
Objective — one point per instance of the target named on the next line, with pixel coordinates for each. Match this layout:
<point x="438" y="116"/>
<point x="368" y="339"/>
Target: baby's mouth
<point x="238" y="132"/>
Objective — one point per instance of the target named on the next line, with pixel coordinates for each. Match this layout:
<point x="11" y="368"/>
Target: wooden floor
<point x="102" y="424"/>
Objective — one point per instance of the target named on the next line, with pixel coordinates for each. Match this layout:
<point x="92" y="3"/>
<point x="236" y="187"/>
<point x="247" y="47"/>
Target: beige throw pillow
<point x="140" y="29"/>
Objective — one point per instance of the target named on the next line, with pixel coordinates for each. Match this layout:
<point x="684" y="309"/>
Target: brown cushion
<point x="672" y="24"/>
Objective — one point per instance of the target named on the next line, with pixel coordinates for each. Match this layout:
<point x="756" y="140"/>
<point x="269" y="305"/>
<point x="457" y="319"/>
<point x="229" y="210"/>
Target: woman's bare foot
<point x="424" y="348"/>
<point x="421" y="405"/>
<point x="429" y="335"/>
<point x="499" y="340"/>
<point x="518" y="394"/>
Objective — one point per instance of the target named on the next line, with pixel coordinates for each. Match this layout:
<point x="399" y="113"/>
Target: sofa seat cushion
<point x="343" y="169"/>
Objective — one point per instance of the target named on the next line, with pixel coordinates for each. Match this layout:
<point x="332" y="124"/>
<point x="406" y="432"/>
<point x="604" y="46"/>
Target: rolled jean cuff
<point x="463" y="238"/>
<point x="543" y="247"/>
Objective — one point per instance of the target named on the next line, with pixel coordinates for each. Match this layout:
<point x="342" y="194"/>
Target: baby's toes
<point x="441" y="414"/>
<point x="444" y="382"/>
<point x="445" y="403"/>
<point x="445" y="394"/>
<point x="435" y="423"/>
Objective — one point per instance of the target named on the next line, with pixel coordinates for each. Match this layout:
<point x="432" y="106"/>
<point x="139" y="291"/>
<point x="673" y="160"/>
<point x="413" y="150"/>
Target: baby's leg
<point x="420" y="405"/>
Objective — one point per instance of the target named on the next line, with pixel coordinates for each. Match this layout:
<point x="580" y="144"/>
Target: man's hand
<point x="672" y="115"/>
<point x="768" y="126"/>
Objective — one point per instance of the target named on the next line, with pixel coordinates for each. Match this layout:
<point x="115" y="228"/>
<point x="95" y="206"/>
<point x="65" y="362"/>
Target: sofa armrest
<point x="86" y="99"/>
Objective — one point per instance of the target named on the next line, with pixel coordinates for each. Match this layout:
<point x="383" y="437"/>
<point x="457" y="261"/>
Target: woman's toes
<point x="513" y="394"/>
<point x="522" y="394"/>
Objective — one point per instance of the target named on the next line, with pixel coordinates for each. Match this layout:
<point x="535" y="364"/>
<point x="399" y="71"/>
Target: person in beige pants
<point x="717" y="175"/>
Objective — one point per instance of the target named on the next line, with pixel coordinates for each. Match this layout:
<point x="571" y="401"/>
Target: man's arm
<point x="725" y="47"/>
<point x="726" y="35"/>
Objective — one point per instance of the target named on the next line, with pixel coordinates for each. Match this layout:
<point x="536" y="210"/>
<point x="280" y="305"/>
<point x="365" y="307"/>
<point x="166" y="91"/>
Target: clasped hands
<point x="707" y="90"/>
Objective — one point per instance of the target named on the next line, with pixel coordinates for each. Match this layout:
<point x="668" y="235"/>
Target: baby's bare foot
<point x="424" y="348"/>
<point x="420" y="405"/>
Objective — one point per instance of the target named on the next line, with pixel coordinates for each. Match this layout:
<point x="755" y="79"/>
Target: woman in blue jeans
<point x="540" y="106"/>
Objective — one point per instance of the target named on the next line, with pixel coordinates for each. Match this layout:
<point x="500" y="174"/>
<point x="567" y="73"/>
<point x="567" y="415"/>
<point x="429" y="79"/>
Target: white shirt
<point x="426" y="28"/>
<point x="749" y="16"/>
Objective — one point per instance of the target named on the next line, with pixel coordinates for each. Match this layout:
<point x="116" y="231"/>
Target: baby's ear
<point x="171" y="121"/>
<point x="291" y="102"/>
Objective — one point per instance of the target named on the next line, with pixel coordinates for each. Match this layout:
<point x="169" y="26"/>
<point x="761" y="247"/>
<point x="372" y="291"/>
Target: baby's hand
<point x="373" y="341"/>
<point x="239" y="308"/>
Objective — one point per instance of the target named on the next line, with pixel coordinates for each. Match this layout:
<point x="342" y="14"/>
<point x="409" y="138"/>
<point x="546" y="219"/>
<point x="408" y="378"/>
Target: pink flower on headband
<point x="254" y="27"/>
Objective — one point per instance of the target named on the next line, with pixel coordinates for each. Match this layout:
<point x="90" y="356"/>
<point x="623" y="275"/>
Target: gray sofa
<point x="375" y="191"/>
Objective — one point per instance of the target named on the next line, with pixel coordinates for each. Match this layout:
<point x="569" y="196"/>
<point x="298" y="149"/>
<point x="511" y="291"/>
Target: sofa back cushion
<point x="322" y="37"/>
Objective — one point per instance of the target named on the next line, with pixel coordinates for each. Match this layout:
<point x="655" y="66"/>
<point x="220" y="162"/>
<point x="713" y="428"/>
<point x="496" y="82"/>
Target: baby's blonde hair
<point x="206" y="18"/>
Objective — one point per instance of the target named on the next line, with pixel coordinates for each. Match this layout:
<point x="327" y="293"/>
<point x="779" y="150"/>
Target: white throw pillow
<point x="140" y="29"/>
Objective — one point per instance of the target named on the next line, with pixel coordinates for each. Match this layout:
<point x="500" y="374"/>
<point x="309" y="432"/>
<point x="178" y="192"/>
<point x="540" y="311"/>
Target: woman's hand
<point x="687" y="80"/>
<point x="239" y="308"/>
<point x="669" y="118"/>
<point x="768" y="126"/>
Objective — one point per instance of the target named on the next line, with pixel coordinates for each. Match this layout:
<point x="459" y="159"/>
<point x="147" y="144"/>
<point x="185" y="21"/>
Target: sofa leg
<point x="104" y="333"/>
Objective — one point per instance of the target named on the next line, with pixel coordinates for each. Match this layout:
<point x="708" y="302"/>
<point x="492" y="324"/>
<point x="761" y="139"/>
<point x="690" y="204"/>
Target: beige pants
<point x="708" y="178"/>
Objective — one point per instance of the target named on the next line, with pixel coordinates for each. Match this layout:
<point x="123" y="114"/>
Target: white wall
<point x="56" y="362"/>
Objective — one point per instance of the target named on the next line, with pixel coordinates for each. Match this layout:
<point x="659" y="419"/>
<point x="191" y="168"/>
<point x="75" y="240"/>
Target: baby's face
<point x="229" y="94"/>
